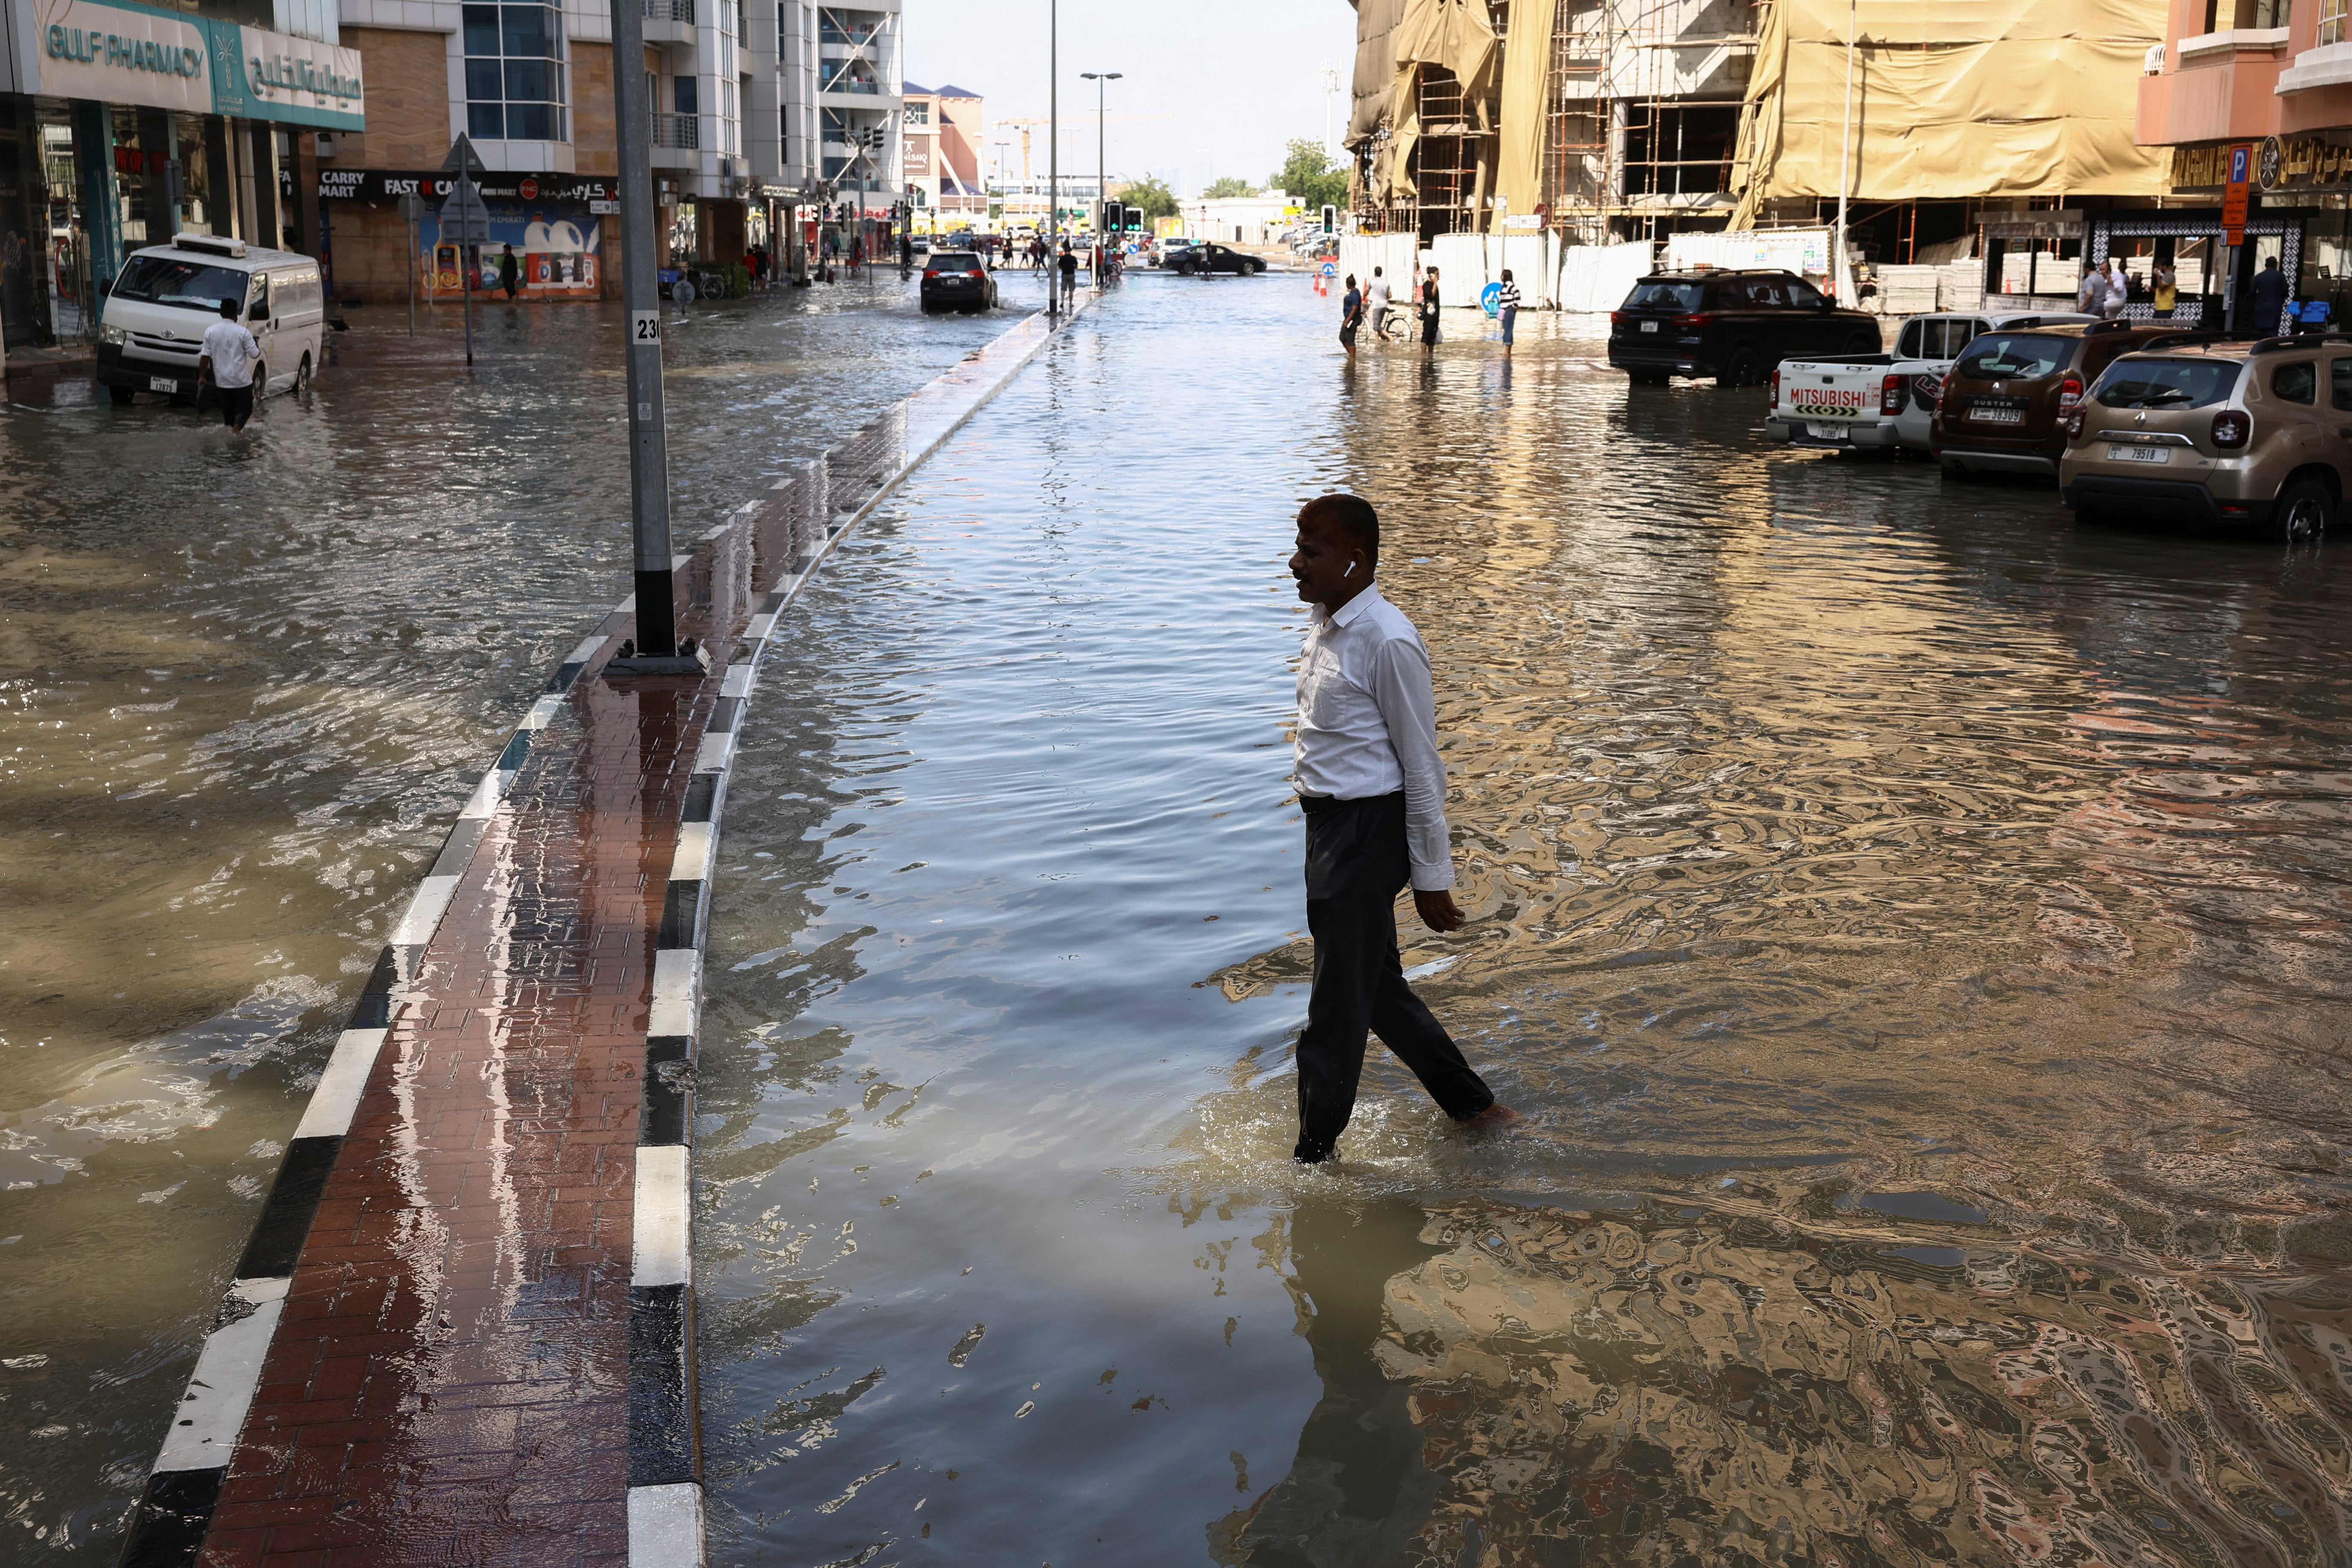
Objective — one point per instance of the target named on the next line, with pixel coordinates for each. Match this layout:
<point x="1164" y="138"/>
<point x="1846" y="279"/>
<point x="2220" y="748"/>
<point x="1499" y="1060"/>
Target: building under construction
<point x="1606" y="119"/>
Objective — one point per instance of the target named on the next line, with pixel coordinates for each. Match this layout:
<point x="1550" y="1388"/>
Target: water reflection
<point x="244" y="688"/>
<point x="1913" y="925"/>
<point x="1536" y="1384"/>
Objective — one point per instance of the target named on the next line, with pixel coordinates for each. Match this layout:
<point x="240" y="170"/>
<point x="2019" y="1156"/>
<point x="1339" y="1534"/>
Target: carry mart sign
<point x="117" y="52"/>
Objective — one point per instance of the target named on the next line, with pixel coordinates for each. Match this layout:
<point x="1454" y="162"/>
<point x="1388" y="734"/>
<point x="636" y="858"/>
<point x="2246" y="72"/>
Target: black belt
<point x="1316" y="804"/>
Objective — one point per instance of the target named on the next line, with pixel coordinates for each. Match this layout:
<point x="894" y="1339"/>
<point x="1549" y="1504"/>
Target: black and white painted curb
<point x="665" y="1497"/>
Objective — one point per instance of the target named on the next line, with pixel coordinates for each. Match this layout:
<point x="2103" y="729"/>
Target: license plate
<point x="1649" y="326"/>
<point x="1984" y="415"/>
<point x="1828" y="432"/>
<point x="2139" y="454"/>
<point x="161" y="383"/>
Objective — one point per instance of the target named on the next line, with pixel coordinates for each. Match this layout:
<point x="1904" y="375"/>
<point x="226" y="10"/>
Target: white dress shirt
<point x="232" y="353"/>
<point x="1368" y="724"/>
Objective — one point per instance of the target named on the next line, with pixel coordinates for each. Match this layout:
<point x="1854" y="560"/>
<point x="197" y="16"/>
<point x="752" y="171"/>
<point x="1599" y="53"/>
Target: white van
<point x="166" y="295"/>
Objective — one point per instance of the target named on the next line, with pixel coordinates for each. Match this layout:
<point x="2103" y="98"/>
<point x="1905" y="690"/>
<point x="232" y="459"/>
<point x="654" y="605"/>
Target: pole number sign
<point x="645" y="327"/>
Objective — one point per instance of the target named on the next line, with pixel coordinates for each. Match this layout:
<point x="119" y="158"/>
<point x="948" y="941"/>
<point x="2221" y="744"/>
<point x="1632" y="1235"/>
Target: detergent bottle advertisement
<point x="557" y="252"/>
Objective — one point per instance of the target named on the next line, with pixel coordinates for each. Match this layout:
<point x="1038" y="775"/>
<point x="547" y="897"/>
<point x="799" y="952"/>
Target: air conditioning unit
<point x="323" y="143"/>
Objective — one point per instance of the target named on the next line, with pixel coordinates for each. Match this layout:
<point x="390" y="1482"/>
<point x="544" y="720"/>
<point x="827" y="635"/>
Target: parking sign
<point x="2233" y="197"/>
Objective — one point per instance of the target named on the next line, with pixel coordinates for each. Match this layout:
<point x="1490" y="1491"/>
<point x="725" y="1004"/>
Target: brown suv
<point x="2245" y="434"/>
<point x="2001" y="405"/>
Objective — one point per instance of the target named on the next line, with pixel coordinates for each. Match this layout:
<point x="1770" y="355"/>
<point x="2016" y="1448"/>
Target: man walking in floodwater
<point x="1372" y="788"/>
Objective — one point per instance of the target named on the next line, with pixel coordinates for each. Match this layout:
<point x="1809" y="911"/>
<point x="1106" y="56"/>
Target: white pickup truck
<point x="1879" y="402"/>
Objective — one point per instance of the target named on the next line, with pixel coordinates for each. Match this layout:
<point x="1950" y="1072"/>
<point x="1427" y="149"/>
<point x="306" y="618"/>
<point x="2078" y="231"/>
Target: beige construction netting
<point x="1392" y="37"/>
<point x="1952" y="99"/>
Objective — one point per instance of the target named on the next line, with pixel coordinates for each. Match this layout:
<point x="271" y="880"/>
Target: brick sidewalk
<point x="462" y="1333"/>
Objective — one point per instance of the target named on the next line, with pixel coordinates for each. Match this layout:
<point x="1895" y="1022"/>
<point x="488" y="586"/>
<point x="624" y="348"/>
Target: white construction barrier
<point x="1551" y="273"/>
<point x="1594" y="278"/>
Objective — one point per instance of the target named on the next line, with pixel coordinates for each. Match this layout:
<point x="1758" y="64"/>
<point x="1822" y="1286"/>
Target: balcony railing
<point x="670" y="11"/>
<point x="678" y="130"/>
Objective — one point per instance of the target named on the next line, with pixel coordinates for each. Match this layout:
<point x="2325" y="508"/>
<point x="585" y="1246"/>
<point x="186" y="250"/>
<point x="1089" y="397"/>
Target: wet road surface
<point x="247" y="687"/>
<point x="1913" y="925"/>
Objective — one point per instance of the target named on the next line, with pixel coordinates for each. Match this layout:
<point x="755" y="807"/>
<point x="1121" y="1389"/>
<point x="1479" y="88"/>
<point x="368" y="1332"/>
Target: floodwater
<point x="1913" y="926"/>
<point x="243" y="689"/>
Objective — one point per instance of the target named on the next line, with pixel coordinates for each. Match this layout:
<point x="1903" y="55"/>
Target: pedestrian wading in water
<point x="1429" y="310"/>
<point x="1371" y="787"/>
<point x="1351" y="316"/>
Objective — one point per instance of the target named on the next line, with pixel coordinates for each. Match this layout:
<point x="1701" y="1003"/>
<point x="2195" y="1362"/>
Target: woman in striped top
<point x="1506" y="305"/>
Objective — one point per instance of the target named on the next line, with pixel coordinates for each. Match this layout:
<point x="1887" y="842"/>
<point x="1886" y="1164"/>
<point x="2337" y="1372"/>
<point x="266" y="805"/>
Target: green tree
<point x="1230" y="186"/>
<point x="1152" y="195"/>
<point x="1312" y="175"/>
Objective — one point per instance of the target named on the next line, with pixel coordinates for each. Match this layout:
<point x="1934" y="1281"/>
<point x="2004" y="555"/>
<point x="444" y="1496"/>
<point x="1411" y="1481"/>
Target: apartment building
<point x="2275" y="79"/>
<point x="757" y="114"/>
<point x="828" y="94"/>
<point x="943" y="131"/>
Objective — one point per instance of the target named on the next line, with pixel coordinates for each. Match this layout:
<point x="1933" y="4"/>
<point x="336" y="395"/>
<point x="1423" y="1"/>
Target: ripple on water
<point x="244" y="690"/>
<point x="1912" y="925"/>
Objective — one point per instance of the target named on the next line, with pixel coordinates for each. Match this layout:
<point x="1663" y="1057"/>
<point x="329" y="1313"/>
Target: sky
<point x="1208" y="88"/>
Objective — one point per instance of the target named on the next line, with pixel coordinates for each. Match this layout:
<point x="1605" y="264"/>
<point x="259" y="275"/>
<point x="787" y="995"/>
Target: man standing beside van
<point x="227" y="361"/>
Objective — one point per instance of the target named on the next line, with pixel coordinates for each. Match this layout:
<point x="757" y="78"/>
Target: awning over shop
<point x="1952" y="99"/>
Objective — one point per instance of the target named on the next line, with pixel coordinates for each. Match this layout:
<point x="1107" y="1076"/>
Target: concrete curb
<point x="665" y="1509"/>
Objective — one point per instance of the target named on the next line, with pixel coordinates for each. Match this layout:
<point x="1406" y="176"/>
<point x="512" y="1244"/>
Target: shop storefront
<point x="2299" y="210"/>
<point x="559" y="226"/>
<point x="2035" y="260"/>
<point x="124" y="124"/>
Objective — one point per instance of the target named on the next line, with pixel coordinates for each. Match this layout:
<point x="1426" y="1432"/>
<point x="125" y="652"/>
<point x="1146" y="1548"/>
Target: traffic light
<point x="1330" y="218"/>
<point x="1136" y="221"/>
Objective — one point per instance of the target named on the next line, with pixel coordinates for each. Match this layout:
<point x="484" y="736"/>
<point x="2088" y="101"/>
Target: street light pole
<point x="1839" y="272"/>
<point x="1053" y="153"/>
<point x="1102" y="166"/>
<point x="656" y="651"/>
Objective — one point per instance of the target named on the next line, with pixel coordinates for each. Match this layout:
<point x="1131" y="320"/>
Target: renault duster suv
<point x="2000" y="408"/>
<point x="2250" y="436"/>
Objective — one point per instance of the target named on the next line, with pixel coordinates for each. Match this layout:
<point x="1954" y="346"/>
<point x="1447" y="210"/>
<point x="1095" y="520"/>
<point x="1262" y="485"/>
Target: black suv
<point x="1735" y="326"/>
<point x="957" y="280"/>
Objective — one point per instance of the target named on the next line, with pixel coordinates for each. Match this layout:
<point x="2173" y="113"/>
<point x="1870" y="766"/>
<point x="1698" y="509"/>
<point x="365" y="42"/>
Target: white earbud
<point x="1351" y="571"/>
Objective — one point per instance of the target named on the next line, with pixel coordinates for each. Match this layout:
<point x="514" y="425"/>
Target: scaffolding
<point x="1642" y="115"/>
<point x="1450" y="170"/>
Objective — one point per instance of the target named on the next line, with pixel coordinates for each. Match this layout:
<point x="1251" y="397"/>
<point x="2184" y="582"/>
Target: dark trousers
<point x="1356" y="864"/>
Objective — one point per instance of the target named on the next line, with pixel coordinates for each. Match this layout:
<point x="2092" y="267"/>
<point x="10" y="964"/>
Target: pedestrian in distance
<point x="2164" y="289"/>
<point x="2090" y="290"/>
<point x="227" y="359"/>
<point x="2270" y="294"/>
<point x="1429" y="310"/>
<point x="1376" y="304"/>
<point x="1371" y="787"/>
<point x="509" y="269"/>
<point x="2115" y="291"/>
<point x="1506" y="308"/>
<point x="1069" y="265"/>
<point x="1351" y="316"/>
